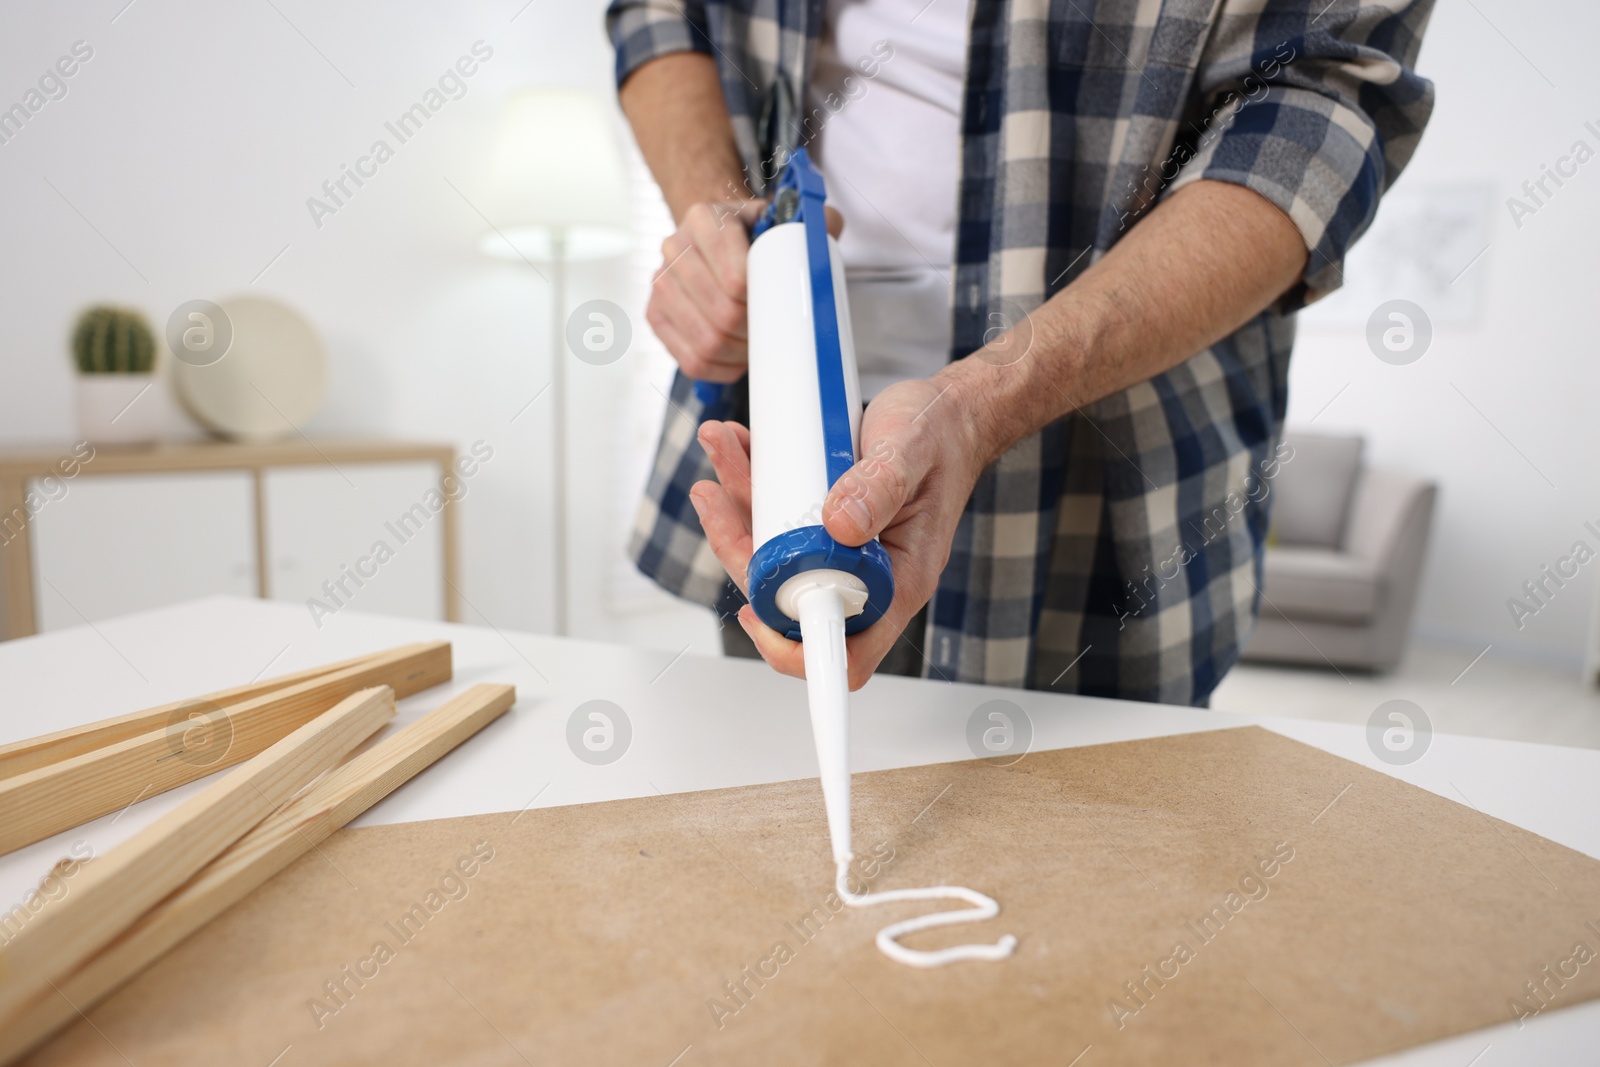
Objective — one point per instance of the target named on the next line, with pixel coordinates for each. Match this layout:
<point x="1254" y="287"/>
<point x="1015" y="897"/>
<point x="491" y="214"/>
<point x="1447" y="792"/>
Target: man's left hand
<point x="920" y="463"/>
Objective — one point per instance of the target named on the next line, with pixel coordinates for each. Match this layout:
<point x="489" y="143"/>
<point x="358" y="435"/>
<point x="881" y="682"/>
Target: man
<point x="1142" y="194"/>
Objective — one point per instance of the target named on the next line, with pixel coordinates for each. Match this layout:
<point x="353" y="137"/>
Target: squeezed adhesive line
<point x="983" y="908"/>
<point x="821" y="610"/>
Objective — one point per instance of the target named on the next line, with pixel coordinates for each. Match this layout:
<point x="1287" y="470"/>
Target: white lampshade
<point x="557" y="175"/>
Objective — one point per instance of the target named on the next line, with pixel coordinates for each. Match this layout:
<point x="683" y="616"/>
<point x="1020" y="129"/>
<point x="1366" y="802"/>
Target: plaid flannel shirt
<point x="1117" y="552"/>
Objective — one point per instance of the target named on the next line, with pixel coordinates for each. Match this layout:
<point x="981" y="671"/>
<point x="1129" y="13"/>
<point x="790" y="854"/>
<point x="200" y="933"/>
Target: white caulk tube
<point x="805" y="419"/>
<point x="789" y="473"/>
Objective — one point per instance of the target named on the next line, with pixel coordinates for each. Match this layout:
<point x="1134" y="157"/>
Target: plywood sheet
<point x="1326" y="914"/>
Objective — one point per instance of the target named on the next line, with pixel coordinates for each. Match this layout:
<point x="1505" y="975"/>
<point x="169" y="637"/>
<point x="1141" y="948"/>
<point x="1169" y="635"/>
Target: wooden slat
<point x="57" y="797"/>
<point x="304" y="822"/>
<point x="112" y="893"/>
<point x="35" y="752"/>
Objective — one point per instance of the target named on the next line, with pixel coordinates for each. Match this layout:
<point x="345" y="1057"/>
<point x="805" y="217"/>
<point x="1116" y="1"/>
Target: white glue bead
<point x="983" y="908"/>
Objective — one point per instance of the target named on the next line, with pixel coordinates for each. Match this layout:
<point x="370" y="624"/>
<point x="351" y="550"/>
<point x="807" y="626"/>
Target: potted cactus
<point x="115" y="354"/>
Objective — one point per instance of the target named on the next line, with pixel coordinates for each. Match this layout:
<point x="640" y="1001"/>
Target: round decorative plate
<point x="270" y="380"/>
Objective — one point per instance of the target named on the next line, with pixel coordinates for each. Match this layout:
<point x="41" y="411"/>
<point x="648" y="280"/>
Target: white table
<point x="702" y="723"/>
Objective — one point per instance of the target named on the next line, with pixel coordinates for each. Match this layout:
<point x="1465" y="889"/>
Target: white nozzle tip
<point x="821" y="611"/>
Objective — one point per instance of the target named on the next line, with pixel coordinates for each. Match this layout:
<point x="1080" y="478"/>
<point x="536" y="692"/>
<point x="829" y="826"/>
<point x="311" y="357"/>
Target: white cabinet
<point x="369" y="536"/>
<point x="111" y="545"/>
<point x="358" y="524"/>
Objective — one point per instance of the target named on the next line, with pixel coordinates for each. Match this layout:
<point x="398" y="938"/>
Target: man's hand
<point x="697" y="304"/>
<point x="909" y="491"/>
<point x="697" y="297"/>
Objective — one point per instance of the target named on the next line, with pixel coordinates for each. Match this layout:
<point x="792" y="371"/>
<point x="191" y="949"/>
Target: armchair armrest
<point x="1389" y="519"/>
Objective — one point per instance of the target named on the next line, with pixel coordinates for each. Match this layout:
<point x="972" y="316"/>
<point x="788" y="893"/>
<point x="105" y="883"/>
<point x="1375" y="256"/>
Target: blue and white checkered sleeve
<point x="1317" y="109"/>
<point x="642" y="30"/>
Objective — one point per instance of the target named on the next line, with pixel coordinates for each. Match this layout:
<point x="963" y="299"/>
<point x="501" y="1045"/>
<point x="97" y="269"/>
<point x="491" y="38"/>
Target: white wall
<point x="1525" y="353"/>
<point x="192" y="140"/>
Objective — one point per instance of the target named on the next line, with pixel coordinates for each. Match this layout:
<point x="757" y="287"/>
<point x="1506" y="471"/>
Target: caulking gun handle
<point x="797" y="176"/>
<point x="714" y="396"/>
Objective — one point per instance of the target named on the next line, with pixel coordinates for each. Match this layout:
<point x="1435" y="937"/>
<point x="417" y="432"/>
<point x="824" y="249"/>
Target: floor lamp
<point x="558" y="195"/>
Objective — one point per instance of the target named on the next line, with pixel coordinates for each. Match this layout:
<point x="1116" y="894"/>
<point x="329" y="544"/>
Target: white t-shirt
<point x="884" y="115"/>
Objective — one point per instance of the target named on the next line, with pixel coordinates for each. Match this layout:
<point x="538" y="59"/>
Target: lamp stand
<point x="558" y="389"/>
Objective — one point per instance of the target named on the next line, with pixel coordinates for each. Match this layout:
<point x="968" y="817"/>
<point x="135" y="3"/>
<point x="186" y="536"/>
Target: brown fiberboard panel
<point x="1367" y="916"/>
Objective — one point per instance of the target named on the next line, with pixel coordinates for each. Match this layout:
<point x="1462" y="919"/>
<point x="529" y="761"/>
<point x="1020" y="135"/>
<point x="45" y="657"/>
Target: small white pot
<point x="118" y="409"/>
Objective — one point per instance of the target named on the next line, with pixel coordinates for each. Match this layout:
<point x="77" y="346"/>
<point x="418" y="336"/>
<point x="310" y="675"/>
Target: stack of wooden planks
<point x="291" y="791"/>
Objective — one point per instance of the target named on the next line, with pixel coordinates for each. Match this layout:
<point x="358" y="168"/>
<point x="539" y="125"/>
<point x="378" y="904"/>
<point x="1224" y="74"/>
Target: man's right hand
<point x="697" y="299"/>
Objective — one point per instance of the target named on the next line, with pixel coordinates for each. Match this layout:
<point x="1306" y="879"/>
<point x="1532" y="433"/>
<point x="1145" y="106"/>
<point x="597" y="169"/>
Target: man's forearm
<point x="674" y="104"/>
<point x="1197" y="268"/>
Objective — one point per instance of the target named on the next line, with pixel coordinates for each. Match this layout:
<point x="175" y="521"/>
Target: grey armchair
<point x="1345" y="559"/>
